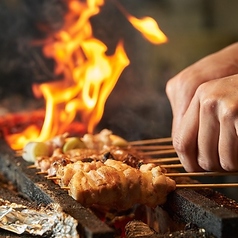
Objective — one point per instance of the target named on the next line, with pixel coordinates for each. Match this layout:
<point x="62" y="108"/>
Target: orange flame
<point x="88" y="74"/>
<point x="149" y="29"/>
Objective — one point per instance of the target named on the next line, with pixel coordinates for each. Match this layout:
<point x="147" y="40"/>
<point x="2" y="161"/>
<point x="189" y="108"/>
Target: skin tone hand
<point x="204" y="101"/>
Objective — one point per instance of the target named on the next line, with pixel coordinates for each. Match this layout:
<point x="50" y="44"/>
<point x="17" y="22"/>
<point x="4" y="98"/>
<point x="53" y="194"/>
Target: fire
<point x="149" y="29"/>
<point x="88" y="74"/>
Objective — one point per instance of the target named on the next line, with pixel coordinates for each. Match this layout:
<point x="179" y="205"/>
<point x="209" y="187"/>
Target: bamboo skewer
<point x="196" y="185"/>
<point x="159" y="152"/>
<point x="161" y="160"/>
<point x="65" y="188"/>
<point x="208" y="185"/>
<point x="203" y="174"/>
<point x="53" y="178"/>
<point x="153" y="147"/>
<point x="32" y="167"/>
<point x="18" y="152"/>
<point x="171" y="166"/>
<point x="151" y="141"/>
<point x="41" y="172"/>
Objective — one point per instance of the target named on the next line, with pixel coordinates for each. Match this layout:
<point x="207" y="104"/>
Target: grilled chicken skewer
<point x="104" y="174"/>
<point x="116" y="185"/>
<point x="111" y="183"/>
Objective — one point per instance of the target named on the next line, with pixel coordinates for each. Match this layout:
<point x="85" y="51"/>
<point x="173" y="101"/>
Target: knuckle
<point x="169" y="86"/>
<point x="204" y="164"/>
<point x="208" y="164"/>
<point x="229" y="112"/>
<point x="229" y="167"/>
<point x="174" y="83"/>
<point x="209" y="105"/>
<point x="208" y="102"/>
<point x="202" y="88"/>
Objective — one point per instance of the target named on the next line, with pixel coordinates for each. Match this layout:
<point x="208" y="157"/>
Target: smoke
<point x="24" y="24"/>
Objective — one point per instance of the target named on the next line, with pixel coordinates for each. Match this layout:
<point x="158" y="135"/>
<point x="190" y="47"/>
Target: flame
<point x="87" y="73"/>
<point x="149" y="29"/>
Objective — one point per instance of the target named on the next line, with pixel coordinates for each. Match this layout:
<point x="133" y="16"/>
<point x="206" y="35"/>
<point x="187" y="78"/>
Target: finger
<point x="185" y="138"/>
<point x="208" y="136"/>
<point x="228" y="143"/>
<point x="180" y="91"/>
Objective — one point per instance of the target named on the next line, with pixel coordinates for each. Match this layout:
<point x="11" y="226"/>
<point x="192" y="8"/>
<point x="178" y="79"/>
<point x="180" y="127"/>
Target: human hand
<point x="205" y="109"/>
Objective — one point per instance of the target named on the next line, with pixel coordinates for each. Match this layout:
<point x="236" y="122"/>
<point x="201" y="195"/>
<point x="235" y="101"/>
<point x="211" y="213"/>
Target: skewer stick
<point x="151" y="141"/>
<point x="42" y="172"/>
<point x="65" y="188"/>
<point x="208" y="185"/>
<point x="53" y="177"/>
<point x="153" y="147"/>
<point x="18" y="152"/>
<point x="203" y="174"/>
<point x="32" y="167"/>
<point x="162" y="160"/>
<point x="195" y="185"/>
<point x="159" y="152"/>
<point x="170" y="166"/>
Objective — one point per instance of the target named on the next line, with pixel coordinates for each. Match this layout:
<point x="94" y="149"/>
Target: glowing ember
<point x="87" y="74"/>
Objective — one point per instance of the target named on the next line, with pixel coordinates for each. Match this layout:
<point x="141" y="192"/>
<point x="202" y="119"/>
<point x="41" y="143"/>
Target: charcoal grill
<point x="205" y="208"/>
<point x="41" y="191"/>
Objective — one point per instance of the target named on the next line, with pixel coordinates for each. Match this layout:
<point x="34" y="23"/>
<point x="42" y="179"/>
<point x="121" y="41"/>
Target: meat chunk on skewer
<point x="65" y="173"/>
<point x="116" y="185"/>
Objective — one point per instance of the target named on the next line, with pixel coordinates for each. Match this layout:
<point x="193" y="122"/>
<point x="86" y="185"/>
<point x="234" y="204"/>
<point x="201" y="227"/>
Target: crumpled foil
<point x="48" y="221"/>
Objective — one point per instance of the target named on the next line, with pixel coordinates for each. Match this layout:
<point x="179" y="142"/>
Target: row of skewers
<point x="96" y="165"/>
<point x="161" y="151"/>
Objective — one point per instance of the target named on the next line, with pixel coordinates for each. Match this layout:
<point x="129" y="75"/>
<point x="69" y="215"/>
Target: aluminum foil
<point x="48" y="221"/>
